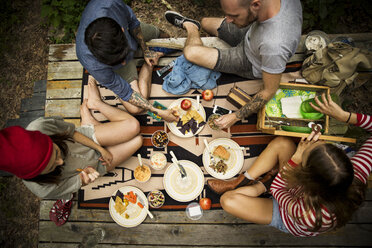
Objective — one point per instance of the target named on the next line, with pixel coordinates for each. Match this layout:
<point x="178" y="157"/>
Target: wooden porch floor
<point x="95" y="228"/>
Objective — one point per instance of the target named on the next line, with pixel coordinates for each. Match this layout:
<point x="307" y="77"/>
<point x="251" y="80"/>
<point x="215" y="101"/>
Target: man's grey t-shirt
<point x="269" y="45"/>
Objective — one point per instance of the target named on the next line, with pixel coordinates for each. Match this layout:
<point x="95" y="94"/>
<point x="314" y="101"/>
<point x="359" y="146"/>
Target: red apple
<point x="205" y="203"/>
<point x="186" y="104"/>
<point x="207" y="95"/>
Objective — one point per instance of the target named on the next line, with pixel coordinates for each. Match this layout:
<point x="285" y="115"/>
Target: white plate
<point x="234" y="163"/>
<point x="139" y="214"/>
<point x="183" y="189"/>
<point x="173" y="125"/>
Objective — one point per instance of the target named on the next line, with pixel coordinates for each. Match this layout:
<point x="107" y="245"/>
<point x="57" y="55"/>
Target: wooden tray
<point x="270" y="124"/>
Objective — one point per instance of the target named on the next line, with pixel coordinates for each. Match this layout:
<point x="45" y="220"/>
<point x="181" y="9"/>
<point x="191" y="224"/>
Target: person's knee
<point x="131" y="125"/>
<point x="138" y="140"/>
<point x="191" y="53"/>
<point x="282" y="143"/>
<point x="205" y="23"/>
<point x="228" y="201"/>
<point x="210" y="25"/>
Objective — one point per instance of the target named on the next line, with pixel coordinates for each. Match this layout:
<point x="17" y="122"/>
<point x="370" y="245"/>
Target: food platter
<point x="234" y="163"/>
<point x="184" y="189"/>
<point x="173" y="125"/>
<point x="136" y="214"/>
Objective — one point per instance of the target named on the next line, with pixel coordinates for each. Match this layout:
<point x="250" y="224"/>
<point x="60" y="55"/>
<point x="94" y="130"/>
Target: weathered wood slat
<point x="60" y="52"/>
<point x="363" y="215"/>
<point x="196" y="234"/>
<point x="91" y="245"/>
<point x="65" y="108"/>
<point x="76" y="122"/>
<point x="36" y="102"/>
<point x="40" y="86"/>
<point x="65" y="70"/>
<point x="64" y="89"/>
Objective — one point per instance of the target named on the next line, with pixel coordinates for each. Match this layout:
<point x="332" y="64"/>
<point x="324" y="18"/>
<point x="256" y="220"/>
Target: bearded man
<point x="263" y="35"/>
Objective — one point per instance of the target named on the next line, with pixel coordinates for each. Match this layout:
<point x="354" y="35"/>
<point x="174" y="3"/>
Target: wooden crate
<point x="267" y="124"/>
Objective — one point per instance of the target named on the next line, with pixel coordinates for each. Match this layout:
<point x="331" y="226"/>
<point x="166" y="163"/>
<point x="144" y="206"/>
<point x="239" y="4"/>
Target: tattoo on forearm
<point x="251" y="107"/>
<point x="138" y="100"/>
<point x="137" y="33"/>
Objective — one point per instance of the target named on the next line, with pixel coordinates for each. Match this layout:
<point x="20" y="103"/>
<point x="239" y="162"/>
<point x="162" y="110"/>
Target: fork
<point x="236" y="148"/>
<point x="212" y="160"/>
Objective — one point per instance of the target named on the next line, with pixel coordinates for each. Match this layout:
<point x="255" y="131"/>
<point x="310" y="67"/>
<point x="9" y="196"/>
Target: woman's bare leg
<point x="122" y="126"/>
<point x="123" y="151"/>
<point x="243" y="202"/>
<point x="252" y="209"/>
<point x="279" y="151"/>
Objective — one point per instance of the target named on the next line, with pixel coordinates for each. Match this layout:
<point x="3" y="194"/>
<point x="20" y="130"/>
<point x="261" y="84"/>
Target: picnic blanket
<point x="96" y="195"/>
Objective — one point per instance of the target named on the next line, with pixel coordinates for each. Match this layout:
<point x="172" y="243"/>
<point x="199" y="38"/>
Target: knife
<point x="174" y="160"/>
<point x="211" y="158"/>
<point x="144" y="206"/>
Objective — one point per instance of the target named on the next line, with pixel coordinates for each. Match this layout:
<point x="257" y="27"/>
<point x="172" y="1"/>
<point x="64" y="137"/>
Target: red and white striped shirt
<point x="292" y="210"/>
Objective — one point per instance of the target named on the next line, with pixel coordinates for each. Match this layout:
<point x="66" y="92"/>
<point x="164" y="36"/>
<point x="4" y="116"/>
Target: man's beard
<point x="251" y="18"/>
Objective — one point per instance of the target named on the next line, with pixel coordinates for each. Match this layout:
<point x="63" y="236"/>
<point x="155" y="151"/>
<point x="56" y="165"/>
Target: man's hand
<point x="152" y="57"/>
<point x="226" y="121"/>
<point x="169" y="115"/>
<point x="88" y="175"/>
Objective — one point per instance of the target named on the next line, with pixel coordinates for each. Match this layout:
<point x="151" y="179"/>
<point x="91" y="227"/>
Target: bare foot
<point x="94" y="97"/>
<point x="86" y="116"/>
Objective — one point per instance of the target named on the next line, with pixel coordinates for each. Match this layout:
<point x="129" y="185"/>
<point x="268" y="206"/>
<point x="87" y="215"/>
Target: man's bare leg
<point x="211" y="24"/>
<point x="195" y="51"/>
<point x="142" y="85"/>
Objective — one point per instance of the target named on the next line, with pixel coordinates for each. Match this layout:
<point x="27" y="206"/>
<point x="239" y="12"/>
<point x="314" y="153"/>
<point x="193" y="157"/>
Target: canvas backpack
<point x="336" y="65"/>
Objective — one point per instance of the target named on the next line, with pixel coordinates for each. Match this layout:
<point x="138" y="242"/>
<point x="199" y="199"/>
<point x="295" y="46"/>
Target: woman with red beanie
<point x="55" y="159"/>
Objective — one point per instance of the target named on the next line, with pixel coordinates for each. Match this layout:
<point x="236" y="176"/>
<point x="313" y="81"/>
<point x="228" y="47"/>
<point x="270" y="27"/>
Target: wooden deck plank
<point x="36" y="102"/>
<point x="197" y="234"/>
<point x="64" y="89"/>
<point x="213" y="216"/>
<point x="65" y="108"/>
<point x="64" y="52"/>
<point x="76" y="122"/>
<point x="65" y="70"/>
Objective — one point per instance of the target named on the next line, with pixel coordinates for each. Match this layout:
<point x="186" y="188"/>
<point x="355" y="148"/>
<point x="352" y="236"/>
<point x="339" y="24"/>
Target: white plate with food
<point x="183" y="189"/>
<point x="228" y="156"/>
<point x="191" y="120"/>
<point x="125" y="206"/>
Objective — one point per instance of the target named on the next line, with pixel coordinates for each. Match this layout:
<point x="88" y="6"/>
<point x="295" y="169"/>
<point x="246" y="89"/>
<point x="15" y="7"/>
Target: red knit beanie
<point x="24" y="153"/>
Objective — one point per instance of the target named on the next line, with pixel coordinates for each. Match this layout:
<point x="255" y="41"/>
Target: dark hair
<point x="54" y="176"/>
<point x="327" y="179"/>
<point x="106" y="41"/>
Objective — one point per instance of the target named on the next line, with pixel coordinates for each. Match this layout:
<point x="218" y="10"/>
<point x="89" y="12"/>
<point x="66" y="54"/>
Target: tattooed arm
<point x="150" y="57"/>
<point x="271" y="85"/>
<point x="141" y="102"/>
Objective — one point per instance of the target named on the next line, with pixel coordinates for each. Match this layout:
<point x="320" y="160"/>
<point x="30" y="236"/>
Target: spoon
<point x="140" y="161"/>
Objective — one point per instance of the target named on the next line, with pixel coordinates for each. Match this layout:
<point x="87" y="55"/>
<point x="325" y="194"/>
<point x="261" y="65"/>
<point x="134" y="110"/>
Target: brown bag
<point x="336" y="65"/>
<point x="238" y="97"/>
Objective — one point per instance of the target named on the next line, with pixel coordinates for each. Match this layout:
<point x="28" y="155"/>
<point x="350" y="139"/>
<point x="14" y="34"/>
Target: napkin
<point x="291" y="106"/>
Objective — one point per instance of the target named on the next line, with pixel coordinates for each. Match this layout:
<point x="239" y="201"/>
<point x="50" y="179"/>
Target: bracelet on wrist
<point x="348" y="119"/>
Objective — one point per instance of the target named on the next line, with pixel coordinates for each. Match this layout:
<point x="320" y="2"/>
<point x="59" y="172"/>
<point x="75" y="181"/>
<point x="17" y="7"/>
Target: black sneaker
<point x="177" y="19"/>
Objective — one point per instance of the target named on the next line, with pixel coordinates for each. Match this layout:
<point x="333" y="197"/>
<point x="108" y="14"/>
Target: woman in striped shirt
<point x="318" y="187"/>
